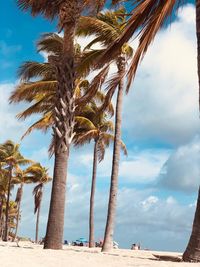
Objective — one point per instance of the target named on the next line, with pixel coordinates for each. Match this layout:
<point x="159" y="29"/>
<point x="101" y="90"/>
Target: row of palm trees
<point x="91" y="113"/>
<point x="67" y="66"/>
<point x="12" y="173"/>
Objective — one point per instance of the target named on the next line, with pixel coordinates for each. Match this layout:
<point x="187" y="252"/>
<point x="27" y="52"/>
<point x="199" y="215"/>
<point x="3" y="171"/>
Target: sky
<point x="158" y="181"/>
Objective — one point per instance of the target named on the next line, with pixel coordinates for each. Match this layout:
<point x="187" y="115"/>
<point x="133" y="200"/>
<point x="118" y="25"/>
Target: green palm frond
<point x="88" y="60"/>
<point x="94" y="26"/>
<point x="84" y="123"/>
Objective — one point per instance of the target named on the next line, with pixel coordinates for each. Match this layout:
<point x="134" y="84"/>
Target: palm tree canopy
<point x="148" y="16"/>
<point x="42" y="177"/>
<point x="10" y="154"/>
<point x="50" y="8"/>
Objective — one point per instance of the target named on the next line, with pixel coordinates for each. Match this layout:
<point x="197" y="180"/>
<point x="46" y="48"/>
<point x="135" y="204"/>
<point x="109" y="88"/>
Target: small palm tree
<point x="41" y="177"/>
<point x="68" y="13"/>
<point x="21" y="177"/>
<point x="3" y="190"/>
<point x="12" y="158"/>
<point x="107" y="27"/>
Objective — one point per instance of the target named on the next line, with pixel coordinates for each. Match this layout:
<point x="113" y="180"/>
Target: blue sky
<point x="160" y="177"/>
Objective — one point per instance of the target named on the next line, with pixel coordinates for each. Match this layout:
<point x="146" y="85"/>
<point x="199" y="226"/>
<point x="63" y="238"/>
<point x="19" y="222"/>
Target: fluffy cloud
<point x="181" y="171"/>
<point x="163" y="102"/>
<point x="10" y="127"/>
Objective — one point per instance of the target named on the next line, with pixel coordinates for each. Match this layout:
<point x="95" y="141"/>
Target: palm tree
<point x="40" y="175"/>
<point x="21" y="177"/>
<point x="41" y="93"/>
<point x="98" y="131"/>
<point x="12" y="158"/>
<point x="3" y="190"/>
<point x="107" y="27"/>
<point x="149" y="16"/>
<point x="68" y="13"/>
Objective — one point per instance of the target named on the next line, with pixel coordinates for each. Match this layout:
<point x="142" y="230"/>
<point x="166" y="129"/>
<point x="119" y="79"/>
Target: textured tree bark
<point x="18" y="211"/>
<point x="37" y="224"/>
<point x="192" y="252"/>
<point x="91" y="217"/>
<point x="64" y="123"/>
<point x="1" y="218"/>
<point x="108" y="236"/>
<point x="5" y="236"/>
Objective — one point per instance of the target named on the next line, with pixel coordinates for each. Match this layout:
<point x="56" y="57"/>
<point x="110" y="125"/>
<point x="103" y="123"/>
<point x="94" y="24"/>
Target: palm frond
<point x="87" y="61"/>
<point x="29" y="91"/>
<point x="33" y="69"/>
<point x="86" y="137"/>
<point x="50" y="43"/>
<point x="44" y="124"/>
<point x="95" y="85"/>
<point x="43" y="105"/>
<point x="84" y="123"/>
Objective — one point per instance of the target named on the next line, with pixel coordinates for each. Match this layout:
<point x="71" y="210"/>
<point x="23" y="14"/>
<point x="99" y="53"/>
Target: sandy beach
<point x="31" y="255"/>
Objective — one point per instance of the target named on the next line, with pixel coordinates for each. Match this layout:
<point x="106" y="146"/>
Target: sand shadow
<point x="167" y="258"/>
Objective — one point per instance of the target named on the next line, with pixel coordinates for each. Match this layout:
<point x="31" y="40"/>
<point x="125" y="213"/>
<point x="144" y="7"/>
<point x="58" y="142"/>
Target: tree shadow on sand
<point x="167" y="258"/>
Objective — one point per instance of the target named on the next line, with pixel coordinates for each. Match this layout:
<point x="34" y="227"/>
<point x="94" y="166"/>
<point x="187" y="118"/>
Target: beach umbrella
<point x="82" y="239"/>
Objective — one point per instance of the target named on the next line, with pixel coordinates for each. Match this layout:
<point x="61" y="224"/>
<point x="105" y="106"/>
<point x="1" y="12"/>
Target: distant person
<point x="134" y="247"/>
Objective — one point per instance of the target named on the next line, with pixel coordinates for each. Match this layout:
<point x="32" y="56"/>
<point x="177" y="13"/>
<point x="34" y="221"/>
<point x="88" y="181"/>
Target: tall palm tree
<point x="41" y="92"/>
<point x="68" y="13"/>
<point x="107" y="27"/>
<point x="11" y="156"/>
<point x="40" y="176"/>
<point x="100" y="131"/>
<point x="148" y="16"/>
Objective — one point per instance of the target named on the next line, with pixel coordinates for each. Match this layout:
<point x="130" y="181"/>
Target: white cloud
<point x="10" y="128"/>
<point x="163" y="102"/>
<point x="182" y="170"/>
<point x="143" y="167"/>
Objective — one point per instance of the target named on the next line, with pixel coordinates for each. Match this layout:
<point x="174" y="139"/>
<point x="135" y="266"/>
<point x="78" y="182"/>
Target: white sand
<point x="30" y="255"/>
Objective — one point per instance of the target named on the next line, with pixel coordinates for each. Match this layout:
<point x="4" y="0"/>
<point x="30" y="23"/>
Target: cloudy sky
<point x="160" y="177"/>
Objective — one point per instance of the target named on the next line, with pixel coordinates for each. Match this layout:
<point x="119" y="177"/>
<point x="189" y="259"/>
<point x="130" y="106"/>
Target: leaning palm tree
<point x="149" y="16"/>
<point x="12" y="158"/>
<point x="68" y="14"/>
<point x="100" y="131"/>
<point x="107" y="27"/>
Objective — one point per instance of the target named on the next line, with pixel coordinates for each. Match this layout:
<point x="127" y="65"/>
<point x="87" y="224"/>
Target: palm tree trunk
<point x="64" y="123"/>
<point x="5" y="237"/>
<point x="1" y="217"/>
<point x="198" y="40"/>
<point x="192" y="252"/>
<point x="108" y="236"/>
<point x="37" y="224"/>
<point x="91" y="220"/>
<point x="18" y="211"/>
